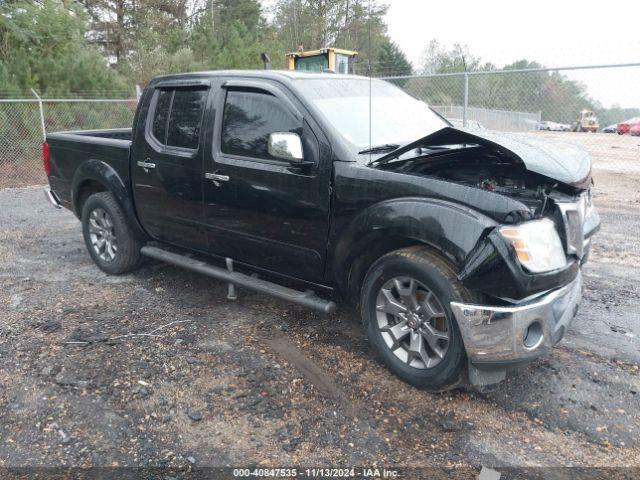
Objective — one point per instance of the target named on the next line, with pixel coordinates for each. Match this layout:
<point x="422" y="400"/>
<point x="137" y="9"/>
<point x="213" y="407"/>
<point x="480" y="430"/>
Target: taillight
<point x="46" y="158"/>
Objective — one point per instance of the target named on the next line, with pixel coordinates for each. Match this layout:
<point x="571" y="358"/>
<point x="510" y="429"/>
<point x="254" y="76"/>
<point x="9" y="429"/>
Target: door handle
<point x="146" y="165"/>
<point x="216" y="177"/>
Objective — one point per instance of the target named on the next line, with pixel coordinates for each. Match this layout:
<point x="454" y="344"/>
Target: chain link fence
<point x="544" y="103"/>
<point x="490" y="118"/>
<point x="540" y="102"/>
<point x="22" y="122"/>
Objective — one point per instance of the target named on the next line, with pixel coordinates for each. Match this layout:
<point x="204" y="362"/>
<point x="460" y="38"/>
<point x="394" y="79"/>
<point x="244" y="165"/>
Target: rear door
<point x="167" y="164"/>
<point x="258" y="209"/>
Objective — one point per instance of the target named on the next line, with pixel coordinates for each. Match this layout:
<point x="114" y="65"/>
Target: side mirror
<point x="285" y="145"/>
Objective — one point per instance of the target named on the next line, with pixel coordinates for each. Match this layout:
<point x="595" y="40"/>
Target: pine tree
<point x="391" y="60"/>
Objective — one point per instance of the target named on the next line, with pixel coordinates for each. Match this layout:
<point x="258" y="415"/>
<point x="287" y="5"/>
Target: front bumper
<point x="499" y="337"/>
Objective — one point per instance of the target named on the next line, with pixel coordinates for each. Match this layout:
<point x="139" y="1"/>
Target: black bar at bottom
<point x="306" y="299"/>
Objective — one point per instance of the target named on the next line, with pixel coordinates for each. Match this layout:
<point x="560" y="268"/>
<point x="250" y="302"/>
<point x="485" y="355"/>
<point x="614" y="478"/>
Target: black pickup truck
<point x="461" y="249"/>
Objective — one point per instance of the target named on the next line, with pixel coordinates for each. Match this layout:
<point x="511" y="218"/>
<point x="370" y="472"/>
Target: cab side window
<point x="160" y="115"/>
<point x="177" y="117"/>
<point x="248" y="120"/>
<point x="185" y="118"/>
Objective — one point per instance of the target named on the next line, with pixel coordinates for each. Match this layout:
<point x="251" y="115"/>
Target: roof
<point x="286" y="75"/>
<point x="322" y="51"/>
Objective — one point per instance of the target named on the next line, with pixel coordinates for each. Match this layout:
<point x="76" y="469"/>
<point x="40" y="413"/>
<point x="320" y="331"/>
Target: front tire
<point x="108" y="238"/>
<point x="406" y="309"/>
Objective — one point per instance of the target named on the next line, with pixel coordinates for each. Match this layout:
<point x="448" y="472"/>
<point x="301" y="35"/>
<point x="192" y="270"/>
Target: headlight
<point x="537" y="245"/>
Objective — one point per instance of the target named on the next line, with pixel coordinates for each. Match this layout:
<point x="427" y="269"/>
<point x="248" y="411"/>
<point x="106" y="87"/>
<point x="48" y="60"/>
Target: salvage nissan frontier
<point x="461" y="249"/>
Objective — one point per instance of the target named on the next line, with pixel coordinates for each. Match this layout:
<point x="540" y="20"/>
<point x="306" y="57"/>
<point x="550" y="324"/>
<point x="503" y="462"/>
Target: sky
<point x="552" y="32"/>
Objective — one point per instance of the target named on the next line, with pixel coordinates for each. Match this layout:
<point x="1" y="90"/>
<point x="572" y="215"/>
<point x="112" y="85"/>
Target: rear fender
<point x="102" y="173"/>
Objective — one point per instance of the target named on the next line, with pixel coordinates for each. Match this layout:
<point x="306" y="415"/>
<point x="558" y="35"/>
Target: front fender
<point x="450" y="228"/>
<point x="104" y="174"/>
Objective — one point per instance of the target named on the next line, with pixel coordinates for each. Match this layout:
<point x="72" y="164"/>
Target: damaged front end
<point x="526" y="312"/>
<point x="552" y="181"/>
<point x="496" y="268"/>
<point x="527" y="267"/>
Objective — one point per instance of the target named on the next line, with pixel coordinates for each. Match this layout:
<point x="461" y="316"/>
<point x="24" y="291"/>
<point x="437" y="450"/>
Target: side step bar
<point x="306" y="299"/>
<point x="53" y="199"/>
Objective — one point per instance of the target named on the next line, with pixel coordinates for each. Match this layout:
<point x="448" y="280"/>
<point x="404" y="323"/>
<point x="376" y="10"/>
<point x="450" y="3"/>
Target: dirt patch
<point x="158" y="369"/>
<point x="21" y="174"/>
<point x="310" y="370"/>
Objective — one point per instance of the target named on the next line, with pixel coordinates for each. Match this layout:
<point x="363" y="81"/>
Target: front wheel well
<point x="361" y="264"/>
<point x="85" y="190"/>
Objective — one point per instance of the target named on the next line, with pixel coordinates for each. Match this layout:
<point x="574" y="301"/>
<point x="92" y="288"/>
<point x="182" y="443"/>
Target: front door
<point x="167" y="166"/>
<point x="259" y="209"/>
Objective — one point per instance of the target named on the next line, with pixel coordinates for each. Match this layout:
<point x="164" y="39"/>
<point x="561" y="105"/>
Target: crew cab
<point x="461" y="249"/>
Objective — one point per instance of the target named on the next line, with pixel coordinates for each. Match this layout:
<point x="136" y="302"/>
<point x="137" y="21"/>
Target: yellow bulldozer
<point x="588" y="122"/>
<point x="329" y="59"/>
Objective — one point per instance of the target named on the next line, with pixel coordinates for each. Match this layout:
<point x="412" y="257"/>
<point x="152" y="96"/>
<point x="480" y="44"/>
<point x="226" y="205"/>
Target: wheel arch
<point x="95" y="176"/>
<point x="447" y="229"/>
<point x="377" y="246"/>
<point x="84" y="190"/>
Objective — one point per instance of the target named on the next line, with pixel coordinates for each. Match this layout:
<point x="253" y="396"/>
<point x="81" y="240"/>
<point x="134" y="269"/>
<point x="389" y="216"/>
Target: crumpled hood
<point x="561" y="161"/>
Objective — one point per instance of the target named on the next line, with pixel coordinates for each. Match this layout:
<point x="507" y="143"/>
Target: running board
<point x="307" y="299"/>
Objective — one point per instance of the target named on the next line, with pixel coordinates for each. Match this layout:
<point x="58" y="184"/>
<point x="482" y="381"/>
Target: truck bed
<point x="93" y="136"/>
<point x="68" y="150"/>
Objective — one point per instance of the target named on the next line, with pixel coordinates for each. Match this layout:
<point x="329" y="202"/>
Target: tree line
<point x="105" y="47"/>
<point x="557" y="97"/>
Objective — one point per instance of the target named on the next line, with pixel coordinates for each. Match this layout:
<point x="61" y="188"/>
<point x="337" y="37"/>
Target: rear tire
<point x="424" y="348"/>
<point x="108" y="238"/>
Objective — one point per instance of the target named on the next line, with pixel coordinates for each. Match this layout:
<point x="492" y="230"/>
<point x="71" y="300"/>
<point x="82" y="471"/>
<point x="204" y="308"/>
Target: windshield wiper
<point x="387" y="147"/>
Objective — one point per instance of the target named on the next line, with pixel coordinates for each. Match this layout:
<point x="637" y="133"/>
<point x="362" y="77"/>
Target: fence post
<point x="465" y="106"/>
<point x="44" y="130"/>
<point x="138" y="92"/>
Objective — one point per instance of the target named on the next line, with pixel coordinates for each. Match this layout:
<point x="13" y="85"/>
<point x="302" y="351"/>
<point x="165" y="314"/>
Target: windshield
<point x="396" y="117"/>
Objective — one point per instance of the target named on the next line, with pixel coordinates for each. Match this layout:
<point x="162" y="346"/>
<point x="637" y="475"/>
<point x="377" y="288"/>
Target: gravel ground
<point x="157" y="368"/>
<point x="610" y="152"/>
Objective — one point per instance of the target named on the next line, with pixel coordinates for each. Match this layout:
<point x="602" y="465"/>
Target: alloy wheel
<point x="102" y="235"/>
<point x="412" y="322"/>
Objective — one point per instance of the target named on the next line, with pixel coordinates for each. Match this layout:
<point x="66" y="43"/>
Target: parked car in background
<point x="635" y="130"/>
<point x="553" y="126"/>
<point x="546" y="125"/>
<point x="624" y="127"/>
<point x="611" y="128"/>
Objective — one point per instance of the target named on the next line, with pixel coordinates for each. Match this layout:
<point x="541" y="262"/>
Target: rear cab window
<point x="161" y="113"/>
<point x="177" y="117"/>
